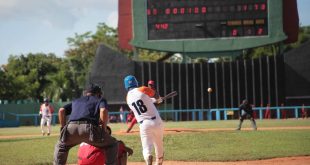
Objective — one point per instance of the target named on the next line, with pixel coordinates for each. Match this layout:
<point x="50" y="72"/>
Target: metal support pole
<point x="296" y="113"/>
<point x="218" y="115"/>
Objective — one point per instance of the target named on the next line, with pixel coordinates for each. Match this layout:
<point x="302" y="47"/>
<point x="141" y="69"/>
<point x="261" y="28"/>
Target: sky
<point x="43" y="26"/>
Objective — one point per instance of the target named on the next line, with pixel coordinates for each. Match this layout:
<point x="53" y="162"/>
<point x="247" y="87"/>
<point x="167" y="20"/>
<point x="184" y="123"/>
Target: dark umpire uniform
<point x="86" y="113"/>
<point x="245" y="110"/>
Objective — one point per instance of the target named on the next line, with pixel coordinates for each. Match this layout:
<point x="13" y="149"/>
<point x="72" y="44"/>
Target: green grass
<point x="190" y="146"/>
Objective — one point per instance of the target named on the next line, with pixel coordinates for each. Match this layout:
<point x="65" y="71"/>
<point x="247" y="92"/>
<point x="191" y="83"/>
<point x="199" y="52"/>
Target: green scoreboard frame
<point x="197" y="26"/>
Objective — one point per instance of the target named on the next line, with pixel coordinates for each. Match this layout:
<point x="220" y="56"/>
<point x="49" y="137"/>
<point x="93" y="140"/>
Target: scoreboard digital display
<point x="188" y="19"/>
<point x="206" y="26"/>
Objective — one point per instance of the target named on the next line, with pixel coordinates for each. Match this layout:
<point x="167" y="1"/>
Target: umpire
<point x="87" y="123"/>
<point x="245" y="110"/>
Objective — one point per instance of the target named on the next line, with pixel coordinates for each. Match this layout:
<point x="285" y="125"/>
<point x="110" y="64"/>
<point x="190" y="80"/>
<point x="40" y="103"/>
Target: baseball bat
<point x="169" y="95"/>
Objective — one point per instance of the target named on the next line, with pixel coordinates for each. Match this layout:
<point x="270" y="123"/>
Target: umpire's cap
<point x="45" y="100"/>
<point x="94" y="89"/>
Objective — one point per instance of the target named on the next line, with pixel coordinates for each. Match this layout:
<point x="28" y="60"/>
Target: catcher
<point x="91" y="155"/>
<point x="131" y="121"/>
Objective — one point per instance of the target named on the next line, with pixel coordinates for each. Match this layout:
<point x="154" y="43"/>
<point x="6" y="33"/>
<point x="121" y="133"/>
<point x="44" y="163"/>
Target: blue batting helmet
<point x="130" y="81"/>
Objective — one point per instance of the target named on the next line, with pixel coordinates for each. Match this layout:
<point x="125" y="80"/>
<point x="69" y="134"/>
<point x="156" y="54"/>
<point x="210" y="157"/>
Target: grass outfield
<point x="189" y="146"/>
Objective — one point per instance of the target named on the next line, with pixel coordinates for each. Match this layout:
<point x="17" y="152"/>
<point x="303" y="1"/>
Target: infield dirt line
<point x="299" y="160"/>
<point x="169" y="131"/>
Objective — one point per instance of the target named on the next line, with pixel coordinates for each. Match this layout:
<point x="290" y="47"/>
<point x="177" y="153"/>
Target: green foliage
<point x="35" y="75"/>
<point x="82" y="52"/>
<point x="150" y="55"/>
<point x="26" y="76"/>
<point x="303" y="36"/>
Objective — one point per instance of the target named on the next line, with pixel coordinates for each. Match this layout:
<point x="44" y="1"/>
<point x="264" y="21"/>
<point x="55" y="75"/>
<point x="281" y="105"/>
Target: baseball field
<point x="203" y="142"/>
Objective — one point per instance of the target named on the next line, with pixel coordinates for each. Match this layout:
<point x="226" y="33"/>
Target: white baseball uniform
<point x="46" y="111"/>
<point x="151" y="126"/>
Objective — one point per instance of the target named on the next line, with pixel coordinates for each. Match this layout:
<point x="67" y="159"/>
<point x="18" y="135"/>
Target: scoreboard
<point x="206" y="25"/>
<point x="175" y="19"/>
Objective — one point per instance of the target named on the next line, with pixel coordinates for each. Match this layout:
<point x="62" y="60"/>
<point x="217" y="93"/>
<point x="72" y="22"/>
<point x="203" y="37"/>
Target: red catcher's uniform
<point x="91" y="155"/>
<point x="131" y="121"/>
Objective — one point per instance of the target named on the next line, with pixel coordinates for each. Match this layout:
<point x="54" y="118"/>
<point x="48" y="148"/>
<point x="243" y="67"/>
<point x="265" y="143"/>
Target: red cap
<point x="151" y="82"/>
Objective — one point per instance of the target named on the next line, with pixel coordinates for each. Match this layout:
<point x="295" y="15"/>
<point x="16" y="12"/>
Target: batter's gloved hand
<point x="160" y="100"/>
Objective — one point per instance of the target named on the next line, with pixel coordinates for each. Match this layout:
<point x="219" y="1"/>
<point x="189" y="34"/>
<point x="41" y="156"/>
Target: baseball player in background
<point x="131" y="121"/>
<point x="151" y="84"/>
<point x="46" y="113"/>
<point x="245" y="110"/>
<point x="140" y="101"/>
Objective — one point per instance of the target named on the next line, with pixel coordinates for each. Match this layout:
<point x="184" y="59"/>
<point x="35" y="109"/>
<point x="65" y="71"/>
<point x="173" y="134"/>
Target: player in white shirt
<point x="46" y="113"/>
<point x="151" y="126"/>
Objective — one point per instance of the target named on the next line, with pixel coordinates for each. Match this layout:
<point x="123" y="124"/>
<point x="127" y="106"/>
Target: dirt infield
<point x="301" y="160"/>
<point x="186" y="130"/>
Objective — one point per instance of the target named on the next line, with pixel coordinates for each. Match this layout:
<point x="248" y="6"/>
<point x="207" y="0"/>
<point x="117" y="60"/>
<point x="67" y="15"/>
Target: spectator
<point x="268" y="113"/>
<point x="113" y="119"/>
<point x="121" y="114"/>
<point x="304" y="113"/>
<point x="283" y="111"/>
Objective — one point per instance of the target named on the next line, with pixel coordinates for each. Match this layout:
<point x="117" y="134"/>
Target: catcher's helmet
<point x="45" y="100"/>
<point x="130" y="81"/>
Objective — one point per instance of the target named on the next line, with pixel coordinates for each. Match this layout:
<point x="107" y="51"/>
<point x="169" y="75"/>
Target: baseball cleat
<point x="149" y="160"/>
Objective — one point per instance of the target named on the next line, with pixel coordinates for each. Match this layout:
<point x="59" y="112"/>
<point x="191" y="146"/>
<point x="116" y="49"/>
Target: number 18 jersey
<point x="140" y="102"/>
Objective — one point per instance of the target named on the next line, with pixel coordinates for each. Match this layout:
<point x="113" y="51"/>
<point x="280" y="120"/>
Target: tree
<point x="26" y="75"/>
<point x="82" y="51"/>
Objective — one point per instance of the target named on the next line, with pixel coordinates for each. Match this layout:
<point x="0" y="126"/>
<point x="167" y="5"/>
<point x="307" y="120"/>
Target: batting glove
<point x="160" y="100"/>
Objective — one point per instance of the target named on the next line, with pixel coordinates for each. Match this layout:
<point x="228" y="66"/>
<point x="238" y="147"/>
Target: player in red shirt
<point x="91" y="155"/>
<point x="131" y="121"/>
<point x="268" y="112"/>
